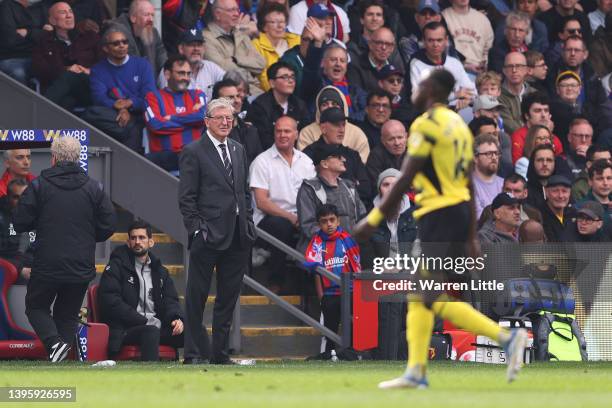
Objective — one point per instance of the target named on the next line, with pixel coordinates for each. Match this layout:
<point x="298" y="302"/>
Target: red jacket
<point x="6" y="178"/>
<point x="518" y="144"/>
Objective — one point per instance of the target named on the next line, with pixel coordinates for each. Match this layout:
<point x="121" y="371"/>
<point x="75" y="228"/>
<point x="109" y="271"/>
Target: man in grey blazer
<point x="215" y="201"/>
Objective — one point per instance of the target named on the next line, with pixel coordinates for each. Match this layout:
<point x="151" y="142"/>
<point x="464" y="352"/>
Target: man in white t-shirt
<point x="472" y="33"/>
<point x="275" y="178"/>
<point x="298" y="15"/>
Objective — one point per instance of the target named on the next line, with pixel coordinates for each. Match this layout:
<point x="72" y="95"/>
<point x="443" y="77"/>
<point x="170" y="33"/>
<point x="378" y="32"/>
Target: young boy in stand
<point x="333" y="249"/>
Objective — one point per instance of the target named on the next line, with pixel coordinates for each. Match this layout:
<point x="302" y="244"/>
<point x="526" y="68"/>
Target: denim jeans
<point x="17" y="68"/>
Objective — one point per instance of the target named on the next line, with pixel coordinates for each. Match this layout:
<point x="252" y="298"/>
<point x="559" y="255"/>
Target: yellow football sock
<point x="465" y="317"/>
<point x="419" y="322"/>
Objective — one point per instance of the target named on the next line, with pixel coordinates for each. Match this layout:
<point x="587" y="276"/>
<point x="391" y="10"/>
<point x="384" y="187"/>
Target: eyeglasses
<point x="395" y="81"/>
<point x="586" y="220"/>
<point x="574" y="31"/>
<point x="379" y="43"/>
<point x="540" y="65"/>
<point x="285" y="77"/>
<point x="221" y="118"/>
<point x="573" y="50"/>
<point x="584" y="136"/>
<point x="118" y="43"/>
<point x="572" y="86"/>
<point x="513" y="67"/>
<point x="379" y="106"/>
<point x="489" y="155"/>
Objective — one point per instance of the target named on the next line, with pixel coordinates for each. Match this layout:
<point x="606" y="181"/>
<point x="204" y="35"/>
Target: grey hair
<point x="132" y="11"/>
<point x="218" y="104"/>
<point x="334" y="46"/>
<point x="238" y="78"/>
<point x="66" y="149"/>
<point x="112" y="30"/>
<point x="519" y="16"/>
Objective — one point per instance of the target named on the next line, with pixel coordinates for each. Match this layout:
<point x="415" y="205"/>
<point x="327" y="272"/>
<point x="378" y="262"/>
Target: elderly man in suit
<point x="215" y="201"/>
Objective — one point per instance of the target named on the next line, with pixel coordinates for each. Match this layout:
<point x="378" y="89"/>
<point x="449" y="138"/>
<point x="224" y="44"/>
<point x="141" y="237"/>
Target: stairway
<point x="267" y="331"/>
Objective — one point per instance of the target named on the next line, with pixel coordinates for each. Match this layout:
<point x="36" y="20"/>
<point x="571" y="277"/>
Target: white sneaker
<point x="59" y="351"/>
<point x="515" y="350"/>
<point x="408" y="380"/>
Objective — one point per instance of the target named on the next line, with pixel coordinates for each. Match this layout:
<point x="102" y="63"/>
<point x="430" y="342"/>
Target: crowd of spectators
<point x="321" y="93"/>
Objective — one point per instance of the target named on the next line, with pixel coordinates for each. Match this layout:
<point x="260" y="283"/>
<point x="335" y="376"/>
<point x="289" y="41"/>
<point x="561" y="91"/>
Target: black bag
<point x="440" y="347"/>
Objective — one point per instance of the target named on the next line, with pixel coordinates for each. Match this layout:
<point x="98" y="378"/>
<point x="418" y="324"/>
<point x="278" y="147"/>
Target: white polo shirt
<point x="270" y="171"/>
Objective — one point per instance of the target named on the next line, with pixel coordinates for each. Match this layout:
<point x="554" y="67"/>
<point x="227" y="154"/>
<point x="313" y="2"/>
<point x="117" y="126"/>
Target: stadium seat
<point x="15" y="342"/>
<point x="126" y="352"/>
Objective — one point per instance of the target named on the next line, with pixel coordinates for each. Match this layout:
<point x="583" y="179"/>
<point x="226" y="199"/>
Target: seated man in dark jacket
<point x="62" y="59"/>
<point x="137" y="298"/>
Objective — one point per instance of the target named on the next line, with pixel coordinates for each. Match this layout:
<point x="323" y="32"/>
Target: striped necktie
<point x="226" y="162"/>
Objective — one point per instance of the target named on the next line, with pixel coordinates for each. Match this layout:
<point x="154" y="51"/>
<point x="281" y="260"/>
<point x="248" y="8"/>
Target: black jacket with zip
<point x="70" y="213"/>
<point x="119" y="293"/>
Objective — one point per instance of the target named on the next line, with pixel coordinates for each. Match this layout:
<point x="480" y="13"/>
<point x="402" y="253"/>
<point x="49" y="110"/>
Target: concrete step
<point x="260" y="311"/>
<point x="158" y="237"/>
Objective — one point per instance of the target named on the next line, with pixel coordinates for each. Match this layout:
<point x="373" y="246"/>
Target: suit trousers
<point x="231" y="265"/>
<point x="68" y="299"/>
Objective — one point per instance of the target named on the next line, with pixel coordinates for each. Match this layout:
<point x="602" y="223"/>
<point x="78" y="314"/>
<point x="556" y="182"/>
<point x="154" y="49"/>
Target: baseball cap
<point x="388" y="70"/>
<point x="192" y="35"/>
<point x="503" y="199"/>
<point x="323" y="151"/>
<point x="558" y="180"/>
<point x="428" y="4"/>
<point x="332" y="115"/>
<point x="568" y="74"/>
<point x="486" y="102"/>
<point x="592" y="209"/>
<point x="320" y="11"/>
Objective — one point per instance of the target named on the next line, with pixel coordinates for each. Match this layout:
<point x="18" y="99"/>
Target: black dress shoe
<point x="195" y="361"/>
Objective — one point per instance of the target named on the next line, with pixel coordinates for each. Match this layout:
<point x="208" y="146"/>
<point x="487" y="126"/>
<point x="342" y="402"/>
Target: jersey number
<point x="460" y="161"/>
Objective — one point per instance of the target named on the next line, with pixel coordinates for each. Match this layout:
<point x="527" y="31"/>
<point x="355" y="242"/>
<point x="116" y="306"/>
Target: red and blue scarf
<point x="338" y="253"/>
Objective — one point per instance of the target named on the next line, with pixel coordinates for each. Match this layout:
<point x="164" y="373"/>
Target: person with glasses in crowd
<point x="588" y="226"/>
<point x="537" y="70"/>
<point x="279" y="101"/>
<point x="118" y="86"/>
<point x="215" y="200"/>
<point x="378" y="112"/>
<point x="514" y="88"/>
<point x="486" y="184"/>
<point x="553" y="18"/>
<point x="229" y="44"/>
<point x="273" y="38"/>
<point x="382" y="52"/>
<point x="174" y="114"/>
<point x="571" y="27"/>
<point x="391" y="80"/>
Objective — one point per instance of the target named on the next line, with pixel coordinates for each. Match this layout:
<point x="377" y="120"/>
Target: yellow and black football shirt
<point x="442" y="138"/>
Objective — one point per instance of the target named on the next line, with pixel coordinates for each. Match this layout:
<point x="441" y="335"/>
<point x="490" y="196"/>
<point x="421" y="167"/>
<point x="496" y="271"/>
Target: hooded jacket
<point x="119" y="294"/>
<point x="354" y="137"/>
<point x="489" y="235"/>
<point x="70" y="213"/>
<point x="536" y="197"/>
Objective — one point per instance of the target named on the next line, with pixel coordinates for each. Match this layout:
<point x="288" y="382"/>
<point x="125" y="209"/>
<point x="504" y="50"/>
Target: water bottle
<point x="334" y="357"/>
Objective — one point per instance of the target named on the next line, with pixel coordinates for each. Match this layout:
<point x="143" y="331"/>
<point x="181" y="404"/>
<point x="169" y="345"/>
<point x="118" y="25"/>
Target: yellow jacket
<point x="267" y="50"/>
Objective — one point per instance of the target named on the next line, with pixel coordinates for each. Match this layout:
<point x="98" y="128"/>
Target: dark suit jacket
<point x="208" y="199"/>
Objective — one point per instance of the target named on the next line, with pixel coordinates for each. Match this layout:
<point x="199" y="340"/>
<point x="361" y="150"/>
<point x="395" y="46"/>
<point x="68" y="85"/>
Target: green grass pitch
<point x="315" y="384"/>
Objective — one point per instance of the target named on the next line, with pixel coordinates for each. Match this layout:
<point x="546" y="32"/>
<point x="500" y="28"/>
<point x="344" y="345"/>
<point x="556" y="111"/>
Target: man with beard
<point x="204" y="74"/>
<point x="174" y="115"/>
<point x="438" y="160"/>
<point x="119" y="85"/>
<point x="137" y="298"/>
<point x="144" y="40"/>
<point x="542" y="165"/>
<point x="485" y="181"/>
